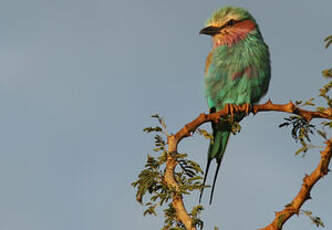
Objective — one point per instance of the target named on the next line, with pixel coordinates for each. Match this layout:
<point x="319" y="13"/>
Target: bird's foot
<point x="247" y="108"/>
<point x="231" y="108"/>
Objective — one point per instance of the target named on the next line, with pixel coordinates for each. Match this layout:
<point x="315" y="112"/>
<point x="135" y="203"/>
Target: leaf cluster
<point x="171" y="222"/>
<point x="300" y="131"/>
<point x="327" y="73"/>
<point x="301" y="128"/>
<point x="315" y="219"/>
<point x="325" y="93"/>
<point x="150" y="183"/>
<point x="150" y="179"/>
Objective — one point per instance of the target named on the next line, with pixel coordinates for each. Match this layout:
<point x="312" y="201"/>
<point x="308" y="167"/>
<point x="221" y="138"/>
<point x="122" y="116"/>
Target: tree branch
<point x="308" y="181"/>
<point x="304" y="193"/>
<point x="189" y="128"/>
<point x="177" y="202"/>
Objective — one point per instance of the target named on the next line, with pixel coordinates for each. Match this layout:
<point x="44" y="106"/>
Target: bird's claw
<point x="231" y="108"/>
<point x="247" y="108"/>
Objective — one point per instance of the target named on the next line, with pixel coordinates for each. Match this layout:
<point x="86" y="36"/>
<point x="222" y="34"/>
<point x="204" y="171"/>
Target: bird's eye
<point x="231" y="22"/>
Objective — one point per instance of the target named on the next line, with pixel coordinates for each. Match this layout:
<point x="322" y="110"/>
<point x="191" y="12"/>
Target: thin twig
<point x="304" y="194"/>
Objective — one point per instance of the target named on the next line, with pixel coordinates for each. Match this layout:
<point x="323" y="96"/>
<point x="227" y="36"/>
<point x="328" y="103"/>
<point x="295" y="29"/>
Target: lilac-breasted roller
<point x="237" y="71"/>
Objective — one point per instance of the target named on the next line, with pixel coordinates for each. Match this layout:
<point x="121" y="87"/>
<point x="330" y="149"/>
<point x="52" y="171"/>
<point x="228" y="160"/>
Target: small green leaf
<point x="318" y="222"/>
<point x="303" y="149"/>
<point x="328" y="41"/>
<point x="150" y="211"/>
<point x="327" y="73"/>
<point x="322" y="133"/>
<point x="320" y="109"/>
<point x="283" y="124"/>
<point x="152" y="129"/>
<point x="206" y="134"/>
<point x="158" y="149"/>
<point x="315" y="219"/>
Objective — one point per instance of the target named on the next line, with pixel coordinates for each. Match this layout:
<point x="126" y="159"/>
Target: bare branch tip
<point x="203" y="116"/>
<point x="268" y="102"/>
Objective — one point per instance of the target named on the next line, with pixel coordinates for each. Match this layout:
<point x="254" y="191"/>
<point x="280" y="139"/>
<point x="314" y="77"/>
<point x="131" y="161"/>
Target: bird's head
<point x="229" y="25"/>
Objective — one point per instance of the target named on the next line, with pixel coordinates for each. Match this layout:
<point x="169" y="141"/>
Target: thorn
<point x="296" y="211"/>
<point x="187" y="130"/>
<point x="291" y="106"/>
<point x="203" y="115"/>
<point x="269" y="101"/>
<point x="305" y="176"/>
<point x="278" y="213"/>
<point x="309" y="197"/>
<point x="305" y="179"/>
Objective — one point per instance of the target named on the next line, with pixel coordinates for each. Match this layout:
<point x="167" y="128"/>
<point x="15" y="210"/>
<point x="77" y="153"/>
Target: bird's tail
<point x="221" y="133"/>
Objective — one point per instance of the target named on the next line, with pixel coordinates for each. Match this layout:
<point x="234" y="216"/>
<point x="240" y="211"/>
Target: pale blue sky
<point x="79" y="80"/>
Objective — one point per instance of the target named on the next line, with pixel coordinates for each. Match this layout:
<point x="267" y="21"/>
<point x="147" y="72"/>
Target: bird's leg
<point x="230" y="110"/>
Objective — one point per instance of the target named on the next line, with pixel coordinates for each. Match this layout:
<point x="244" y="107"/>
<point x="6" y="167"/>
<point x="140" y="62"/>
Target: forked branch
<point x="308" y="181"/>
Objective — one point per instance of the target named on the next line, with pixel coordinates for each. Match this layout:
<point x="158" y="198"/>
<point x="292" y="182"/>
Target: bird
<point x="237" y="72"/>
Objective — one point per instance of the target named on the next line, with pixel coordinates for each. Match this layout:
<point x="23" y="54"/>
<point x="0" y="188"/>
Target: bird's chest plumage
<point x="238" y="74"/>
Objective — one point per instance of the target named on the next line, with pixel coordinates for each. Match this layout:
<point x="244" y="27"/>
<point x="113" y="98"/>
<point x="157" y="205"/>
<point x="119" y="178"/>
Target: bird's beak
<point x="210" y="30"/>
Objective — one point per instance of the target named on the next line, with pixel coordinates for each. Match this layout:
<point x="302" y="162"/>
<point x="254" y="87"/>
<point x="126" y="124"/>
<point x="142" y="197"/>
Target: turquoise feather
<point x="237" y="72"/>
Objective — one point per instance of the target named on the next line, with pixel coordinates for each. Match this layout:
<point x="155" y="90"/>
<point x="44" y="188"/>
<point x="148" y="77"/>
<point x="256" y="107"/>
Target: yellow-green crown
<point x="222" y="15"/>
